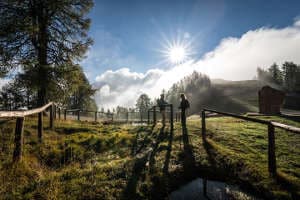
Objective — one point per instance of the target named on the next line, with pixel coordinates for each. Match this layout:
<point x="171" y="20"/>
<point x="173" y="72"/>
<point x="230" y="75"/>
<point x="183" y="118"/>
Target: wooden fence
<point x="154" y="109"/>
<point x="54" y="113"/>
<point x="271" y="134"/>
<point x="94" y="114"/>
<point x="126" y="117"/>
<point x="20" y="117"/>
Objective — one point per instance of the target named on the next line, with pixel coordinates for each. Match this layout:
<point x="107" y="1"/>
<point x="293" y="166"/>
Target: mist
<point x="234" y="58"/>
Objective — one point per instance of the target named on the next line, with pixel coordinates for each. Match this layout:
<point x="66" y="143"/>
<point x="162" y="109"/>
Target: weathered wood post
<point x="59" y="111"/>
<point x="148" y="117"/>
<point x="127" y="117"/>
<point x="65" y="114"/>
<point x="54" y="111"/>
<point x="40" y="126"/>
<point x="96" y="116"/>
<point x="112" y="117"/>
<point x="154" y="115"/>
<point x="78" y="115"/>
<point x="203" y="125"/>
<point x="171" y="117"/>
<point x="271" y="150"/>
<point x="51" y="117"/>
<point x="18" y="139"/>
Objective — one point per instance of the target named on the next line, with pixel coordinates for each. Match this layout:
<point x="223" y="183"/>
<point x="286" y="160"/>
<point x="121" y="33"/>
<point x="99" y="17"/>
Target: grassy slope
<point x="81" y="160"/>
<point x="238" y="96"/>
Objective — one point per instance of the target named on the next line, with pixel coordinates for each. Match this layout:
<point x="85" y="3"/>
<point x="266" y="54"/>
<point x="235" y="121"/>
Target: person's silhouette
<point x="184" y="105"/>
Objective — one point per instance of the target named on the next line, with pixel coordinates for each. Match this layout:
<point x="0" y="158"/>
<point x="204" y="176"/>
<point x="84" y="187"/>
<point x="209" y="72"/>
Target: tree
<point x="195" y="87"/>
<point x="276" y="74"/>
<point x="143" y="103"/>
<point x="45" y="39"/>
<point x="291" y="76"/>
<point x="81" y="98"/>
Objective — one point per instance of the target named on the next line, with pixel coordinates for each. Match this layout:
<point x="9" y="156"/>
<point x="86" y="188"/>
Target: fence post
<point x="78" y="115"/>
<point x="96" y="116"/>
<point x="203" y="125"/>
<point x="54" y="111"/>
<point x="127" y="117"/>
<point x="172" y="125"/>
<point x="59" y="110"/>
<point x="18" y="139"/>
<point x="148" y="117"/>
<point x="65" y="114"/>
<point x="112" y="117"/>
<point x="154" y="115"/>
<point x="271" y="150"/>
<point x="51" y="117"/>
<point x="40" y="126"/>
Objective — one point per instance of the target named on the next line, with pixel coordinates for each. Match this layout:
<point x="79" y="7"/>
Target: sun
<point x="176" y="51"/>
<point x="177" y="54"/>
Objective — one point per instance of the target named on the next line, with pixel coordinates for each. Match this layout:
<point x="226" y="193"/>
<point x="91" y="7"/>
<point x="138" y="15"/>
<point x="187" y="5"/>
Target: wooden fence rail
<point x="20" y="117"/>
<point x="154" y="110"/>
<point x="272" y="167"/>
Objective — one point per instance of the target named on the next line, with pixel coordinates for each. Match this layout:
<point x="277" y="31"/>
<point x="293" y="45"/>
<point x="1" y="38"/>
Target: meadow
<point x="89" y="160"/>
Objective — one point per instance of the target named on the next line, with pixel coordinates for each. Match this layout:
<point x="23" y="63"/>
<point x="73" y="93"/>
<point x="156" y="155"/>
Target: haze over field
<point x="234" y="58"/>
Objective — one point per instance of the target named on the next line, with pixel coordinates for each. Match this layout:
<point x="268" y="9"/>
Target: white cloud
<point x="233" y="58"/>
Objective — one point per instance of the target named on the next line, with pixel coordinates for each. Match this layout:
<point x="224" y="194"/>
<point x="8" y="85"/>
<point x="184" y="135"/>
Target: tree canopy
<point x="286" y="77"/>
<point x="44" y="40"/>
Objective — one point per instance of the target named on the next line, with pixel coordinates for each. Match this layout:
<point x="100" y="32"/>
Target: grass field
<point x="85" y="160"/>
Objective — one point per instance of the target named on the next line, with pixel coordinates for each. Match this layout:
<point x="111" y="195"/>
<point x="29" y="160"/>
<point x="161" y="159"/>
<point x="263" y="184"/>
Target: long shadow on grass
<point x="210" y="153"/>
<point x="168" y="154"/>
<point x="188" y="155"/>
<point x="159" y="138"/>
<point x="137" y="147"/>
<point x="141" y="160"/>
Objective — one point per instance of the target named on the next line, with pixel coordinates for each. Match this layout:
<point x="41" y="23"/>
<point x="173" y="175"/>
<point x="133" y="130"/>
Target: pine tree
<point x="143" y="103"/>
<point x="45" y="39"/>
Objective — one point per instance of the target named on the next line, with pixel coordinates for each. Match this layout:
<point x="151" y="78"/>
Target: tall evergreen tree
<point x="291" y="75"/>
<point x="143" y="103"/>
<point x="44" y="38"/>
<point x="275" y="74"/>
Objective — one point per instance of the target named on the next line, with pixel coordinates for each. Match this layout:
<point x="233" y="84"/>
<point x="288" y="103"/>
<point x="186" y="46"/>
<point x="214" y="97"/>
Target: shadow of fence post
<point x="203" y="125"/>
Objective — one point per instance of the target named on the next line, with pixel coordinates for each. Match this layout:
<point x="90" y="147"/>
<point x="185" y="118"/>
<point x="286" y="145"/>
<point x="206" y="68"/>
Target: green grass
<point x="237" y="141"/>
<point x="85" y="160"/>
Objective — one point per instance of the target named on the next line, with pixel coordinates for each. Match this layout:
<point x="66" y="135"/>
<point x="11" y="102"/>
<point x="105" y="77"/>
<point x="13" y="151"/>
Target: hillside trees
<point x="195" y="86"/>
<point x="44" y="40"/>
<point x="286" y="77"/>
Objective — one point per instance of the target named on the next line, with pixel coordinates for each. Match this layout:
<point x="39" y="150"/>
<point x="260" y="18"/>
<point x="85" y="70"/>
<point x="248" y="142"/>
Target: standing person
<point x="162" y="108"/>
<point x="184" y="104"/>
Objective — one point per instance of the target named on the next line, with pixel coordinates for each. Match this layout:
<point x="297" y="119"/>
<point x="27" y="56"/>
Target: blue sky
<point x="130" y="33"/>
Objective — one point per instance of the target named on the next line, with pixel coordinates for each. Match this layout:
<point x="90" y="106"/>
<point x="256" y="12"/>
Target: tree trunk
<point x="42" y="41"/>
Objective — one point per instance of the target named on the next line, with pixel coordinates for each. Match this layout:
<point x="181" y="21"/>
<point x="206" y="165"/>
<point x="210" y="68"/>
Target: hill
<point x="234" y="96"/>
<point x="202" y="92"/>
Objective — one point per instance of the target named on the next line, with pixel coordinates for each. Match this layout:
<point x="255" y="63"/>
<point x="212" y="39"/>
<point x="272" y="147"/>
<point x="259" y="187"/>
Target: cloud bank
<point x="232" y="59"/>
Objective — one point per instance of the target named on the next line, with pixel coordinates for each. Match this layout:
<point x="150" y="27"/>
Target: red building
<point x="270" y="100"/>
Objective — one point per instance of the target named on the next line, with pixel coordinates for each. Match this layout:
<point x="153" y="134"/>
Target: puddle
<point x="215" y="190"/>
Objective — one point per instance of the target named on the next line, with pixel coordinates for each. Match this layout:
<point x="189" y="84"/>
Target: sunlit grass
<point x="87" y="160"/>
